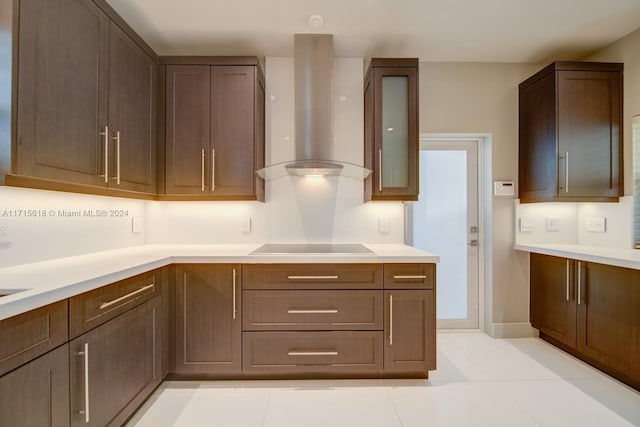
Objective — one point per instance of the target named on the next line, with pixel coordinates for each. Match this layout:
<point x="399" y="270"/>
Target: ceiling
<point x="433" y="30"/>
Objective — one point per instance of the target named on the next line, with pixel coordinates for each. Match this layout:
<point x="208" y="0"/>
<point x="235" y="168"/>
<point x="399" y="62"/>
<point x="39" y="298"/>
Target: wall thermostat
<point x="503" y="188"/>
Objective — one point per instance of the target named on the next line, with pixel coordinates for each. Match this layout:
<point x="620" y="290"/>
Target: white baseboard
<point x="512" y="330"/>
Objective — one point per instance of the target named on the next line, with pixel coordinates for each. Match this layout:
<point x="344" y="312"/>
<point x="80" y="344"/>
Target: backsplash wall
<point x="41" y="225"/>
<point x="572" y="221"/>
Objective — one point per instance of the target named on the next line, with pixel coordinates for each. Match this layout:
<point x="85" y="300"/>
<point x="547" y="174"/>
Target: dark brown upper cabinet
<point x="213" y="131"/>
<point x="570" y="133"/>
<point x="391" y="129"/>
<point x="85" y="101"/>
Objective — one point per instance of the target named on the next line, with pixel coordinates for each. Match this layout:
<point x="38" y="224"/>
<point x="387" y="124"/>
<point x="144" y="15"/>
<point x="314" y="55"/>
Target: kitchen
<point x="455" y="97"/>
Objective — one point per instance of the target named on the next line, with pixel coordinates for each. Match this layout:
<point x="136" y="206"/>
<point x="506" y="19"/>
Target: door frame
<point x="482" y="142"/>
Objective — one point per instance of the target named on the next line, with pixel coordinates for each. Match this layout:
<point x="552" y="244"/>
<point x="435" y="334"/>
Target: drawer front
<point x="26" y="336"/>
<point x="409" y="276"/>
<point x="312" y="276"/>
<point x="338" y="352"/>
<point x="93" y="308"/>
<point x="312" y="310"/>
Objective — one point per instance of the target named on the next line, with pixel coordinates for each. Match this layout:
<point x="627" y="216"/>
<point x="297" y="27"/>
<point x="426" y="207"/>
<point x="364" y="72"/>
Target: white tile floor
<point x="480" y="381"/>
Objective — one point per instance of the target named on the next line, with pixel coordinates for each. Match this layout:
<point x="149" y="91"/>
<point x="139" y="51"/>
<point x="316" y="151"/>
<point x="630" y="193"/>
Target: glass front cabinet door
<point x="391" y="129"/>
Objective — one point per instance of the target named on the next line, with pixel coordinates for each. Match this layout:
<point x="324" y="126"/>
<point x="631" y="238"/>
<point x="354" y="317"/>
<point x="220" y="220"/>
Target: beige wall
<point x="482" y="98"/>
<point x="626" y="50"/>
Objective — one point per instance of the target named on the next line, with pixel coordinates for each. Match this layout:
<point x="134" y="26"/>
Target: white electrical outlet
<point x="5" y="230"/>
<point x="384" y="225"/>
<point x="597" y="224"/>
<point x="246" y="225"/>
<point x="136" y="224"/>
<point x="553" y="223"/>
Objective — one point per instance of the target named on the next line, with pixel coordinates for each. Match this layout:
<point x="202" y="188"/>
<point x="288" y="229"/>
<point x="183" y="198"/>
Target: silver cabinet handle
<point x="566" y="171"/>
<point x="380" y="170"/>
<point x="390" y="319"/>
<point x="313" y="353"/>
<point x="202" y="170"/>
<point x="311" y="277"/>
<point x="85" y="353"/>
<point x="567" y="280"/>
<point x="321" y="311"/>
<point x="117" y="140"/>
<point x="213" y="170"/>
<point x="234" y="293"/>
<point x="124" y="297"/>
<point x="106" y="153"/>
<point x="579" y="284"/>
<point x="418" y="276"/>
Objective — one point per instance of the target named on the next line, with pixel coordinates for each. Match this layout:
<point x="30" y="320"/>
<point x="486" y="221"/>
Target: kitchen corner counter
<point x="41" y="283"/>
<point x="627" y="258"/>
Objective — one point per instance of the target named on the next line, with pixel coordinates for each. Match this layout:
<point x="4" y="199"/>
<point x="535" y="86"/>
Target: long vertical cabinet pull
<point x="579" y="284"/>
<point x="117" y="140"/>
<point x="85" y="353"/>
<point x="106" y="153"/>
<point x="202" y="170"/>
<point x="213" y="170"/>
<point x="566" y="171"/>
<point x="390" y="319"/>
<point x="234" y="294"/>
<point x="380" y="170"/>
<point x="567" y="280"/>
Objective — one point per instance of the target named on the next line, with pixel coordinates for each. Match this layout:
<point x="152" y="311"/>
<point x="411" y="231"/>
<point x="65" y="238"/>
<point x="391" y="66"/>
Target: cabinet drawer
<point x="26" y="336"/>
<point x="90" y="309"/>
<point x="409" y="276"/>
<point x="312" y="310"/>
<point x="312" y="276"/>
<point x="338" y="352"/>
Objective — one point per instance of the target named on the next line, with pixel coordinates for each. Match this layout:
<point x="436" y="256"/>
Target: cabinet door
<point x="395" y="173"/>
<point x="114" y="367"/>
<point x="208" y="320"/>
<point x="609" y="319"/>
<point x="410" y="332"/>
<point x="62" y="82"/>
<point x="589" y="115"/>
<point x="537" y="158"/>
<point x="132" y="114"/>
<point x="553" y="304"/>
<point x="187" y="129"/>
<point x="233" y="131"/>
<point x="37" y="394"/>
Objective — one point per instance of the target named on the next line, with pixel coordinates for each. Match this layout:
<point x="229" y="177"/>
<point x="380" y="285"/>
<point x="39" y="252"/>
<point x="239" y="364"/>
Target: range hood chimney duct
<point x="313" y="78"/>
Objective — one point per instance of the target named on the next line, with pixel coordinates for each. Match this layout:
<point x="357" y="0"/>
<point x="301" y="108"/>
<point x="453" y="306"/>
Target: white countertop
<point x="629" y="258"/>
<point x="49" y="281"/>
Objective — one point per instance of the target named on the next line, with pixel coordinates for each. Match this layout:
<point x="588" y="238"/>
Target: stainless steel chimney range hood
<point x="313" y="77"/>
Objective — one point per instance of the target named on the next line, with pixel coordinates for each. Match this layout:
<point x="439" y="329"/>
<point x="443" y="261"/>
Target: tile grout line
<point x="395" y="410"/>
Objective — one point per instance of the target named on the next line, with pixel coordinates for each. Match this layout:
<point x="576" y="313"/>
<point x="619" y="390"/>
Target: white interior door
<point x="445" y="221"/>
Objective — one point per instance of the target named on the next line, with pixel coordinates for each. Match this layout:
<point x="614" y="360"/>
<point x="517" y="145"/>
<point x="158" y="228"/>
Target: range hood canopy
<point x="313" y="76"/>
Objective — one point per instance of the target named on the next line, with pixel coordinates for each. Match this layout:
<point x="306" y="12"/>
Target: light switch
<point x="384" y="225"/>
<point x="525" y="225"/>
<point x="597" y="224"/>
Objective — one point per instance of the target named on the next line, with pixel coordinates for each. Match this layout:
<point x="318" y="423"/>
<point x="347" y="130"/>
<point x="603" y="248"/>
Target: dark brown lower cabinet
<point x="208" y="319"/>
<point x="37" y="394"/>
<point x="114" y="367"/>
<point x="590" y="310"/>
<point x="410" y="333"/>
<point x="553" y="297"/>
